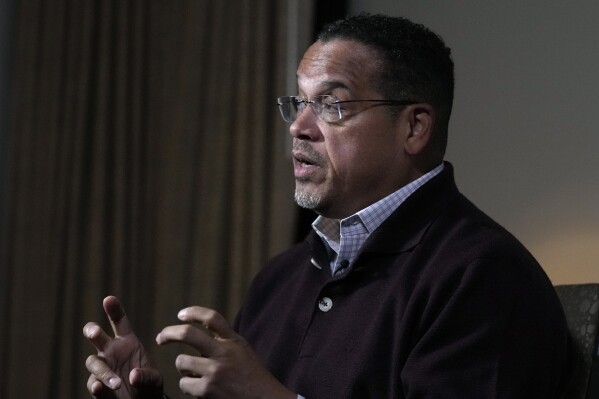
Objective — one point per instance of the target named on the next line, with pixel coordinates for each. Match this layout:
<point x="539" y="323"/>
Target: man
<point x="403" y="290"/>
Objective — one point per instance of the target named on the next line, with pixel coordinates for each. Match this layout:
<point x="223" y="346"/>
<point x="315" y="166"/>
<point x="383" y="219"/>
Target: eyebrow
<point x="334" y="84"/>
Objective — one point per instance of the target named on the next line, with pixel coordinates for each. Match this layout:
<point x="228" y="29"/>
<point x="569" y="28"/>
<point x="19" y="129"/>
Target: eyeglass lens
<point x="325" y="107"/>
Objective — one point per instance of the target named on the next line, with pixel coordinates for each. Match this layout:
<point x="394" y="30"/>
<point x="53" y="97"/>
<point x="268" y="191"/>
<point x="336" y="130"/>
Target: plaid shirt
<point x="344" y="238"/>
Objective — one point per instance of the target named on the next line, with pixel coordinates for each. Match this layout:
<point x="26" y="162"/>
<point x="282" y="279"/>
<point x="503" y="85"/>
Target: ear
<point x="421" y="119"/>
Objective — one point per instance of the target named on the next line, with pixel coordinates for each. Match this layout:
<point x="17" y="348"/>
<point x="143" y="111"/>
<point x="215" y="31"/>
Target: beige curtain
<point x="147" y="160"/>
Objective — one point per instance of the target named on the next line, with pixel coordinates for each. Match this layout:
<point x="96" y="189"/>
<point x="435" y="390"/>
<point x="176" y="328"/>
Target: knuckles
<point x="210" y="317"/>
<point x="97" y="367"/>
<point x="186" y="332"/>
<point x="91" y="362"/>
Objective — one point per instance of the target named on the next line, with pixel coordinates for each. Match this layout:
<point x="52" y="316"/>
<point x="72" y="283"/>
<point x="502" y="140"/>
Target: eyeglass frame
<point x="318" y="107"/>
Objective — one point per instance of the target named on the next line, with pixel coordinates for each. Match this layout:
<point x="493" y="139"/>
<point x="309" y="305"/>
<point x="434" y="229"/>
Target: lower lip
<point x="302" y="170"/>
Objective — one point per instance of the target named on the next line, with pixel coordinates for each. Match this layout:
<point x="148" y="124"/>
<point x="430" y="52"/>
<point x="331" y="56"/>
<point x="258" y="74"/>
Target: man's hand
<point x="227" y="366"/>
<point x="120" y="369"/>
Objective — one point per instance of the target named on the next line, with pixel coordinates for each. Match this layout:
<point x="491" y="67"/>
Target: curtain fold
<point x="147" y="160"/>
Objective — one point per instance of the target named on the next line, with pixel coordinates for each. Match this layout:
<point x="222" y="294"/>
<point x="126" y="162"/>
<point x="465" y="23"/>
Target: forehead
<point x="338" y="64"/>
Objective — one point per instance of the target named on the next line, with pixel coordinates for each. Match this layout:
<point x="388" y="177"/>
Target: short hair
<point x="416" y="63"/>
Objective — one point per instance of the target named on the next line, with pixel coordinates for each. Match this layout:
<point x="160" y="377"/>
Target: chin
<point x="307" y="200"/>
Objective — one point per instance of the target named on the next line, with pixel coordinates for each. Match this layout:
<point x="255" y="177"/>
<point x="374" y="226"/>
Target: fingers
<point x="94" y="386"/>
<point x="96" y="335"/>
<point x="193" y="386"/>
<point x="140" y="377"/>
<point x="211" y="319"/>
<point x="192" y="366"/>
<point x="192" y="369"/>
<point x="189" y="335"/>
<point x="193" y="336"/>
<point x="100" y="371"/>
<point x="116" y="315"/>
<point x="145" y="377"/>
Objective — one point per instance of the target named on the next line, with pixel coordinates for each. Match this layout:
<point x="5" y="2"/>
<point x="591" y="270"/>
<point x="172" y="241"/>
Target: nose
<point x="305" y="126"/>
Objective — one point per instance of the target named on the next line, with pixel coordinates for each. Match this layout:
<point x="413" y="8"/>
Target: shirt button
<point x="325" y="304"/>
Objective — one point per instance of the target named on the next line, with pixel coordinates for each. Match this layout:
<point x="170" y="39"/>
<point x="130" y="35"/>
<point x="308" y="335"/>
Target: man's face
<point x="342" y="167"/>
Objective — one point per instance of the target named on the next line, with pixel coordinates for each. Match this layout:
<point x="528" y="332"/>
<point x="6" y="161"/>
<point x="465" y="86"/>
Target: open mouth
<point x="305" y="166"/>
<point x="305" y="156"/>
<point x="303" y="160"/>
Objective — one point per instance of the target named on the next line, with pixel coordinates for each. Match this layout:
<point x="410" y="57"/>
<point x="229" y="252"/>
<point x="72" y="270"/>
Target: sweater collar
<point x="406" y="226"/>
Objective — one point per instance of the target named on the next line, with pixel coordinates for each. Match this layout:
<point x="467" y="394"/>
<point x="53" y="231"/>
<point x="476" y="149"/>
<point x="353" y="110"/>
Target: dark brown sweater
<point x="442" y="302"/>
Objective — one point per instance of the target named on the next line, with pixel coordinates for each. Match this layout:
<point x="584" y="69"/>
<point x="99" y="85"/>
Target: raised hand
<point x="227" y="368"/>
<point x="120" y="369"/>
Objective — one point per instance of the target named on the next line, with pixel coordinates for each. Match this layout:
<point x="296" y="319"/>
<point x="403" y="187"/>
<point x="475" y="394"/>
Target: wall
<point x="524" y="137"/>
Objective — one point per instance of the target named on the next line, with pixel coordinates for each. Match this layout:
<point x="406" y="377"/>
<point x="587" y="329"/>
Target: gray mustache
<point x="304" y="147"/>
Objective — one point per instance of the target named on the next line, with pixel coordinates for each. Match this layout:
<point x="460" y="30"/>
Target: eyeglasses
<point x="327" y="108"/>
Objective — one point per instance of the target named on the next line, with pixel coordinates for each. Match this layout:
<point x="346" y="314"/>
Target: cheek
<point x="361" y="150"/>
<point x="343" y="158"/>
<point x="369" y="159"/>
